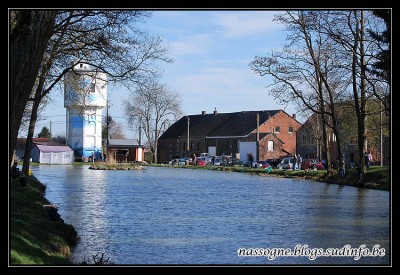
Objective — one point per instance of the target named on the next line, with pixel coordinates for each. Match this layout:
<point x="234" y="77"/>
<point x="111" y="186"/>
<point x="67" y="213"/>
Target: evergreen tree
<point x="45" y="133"/>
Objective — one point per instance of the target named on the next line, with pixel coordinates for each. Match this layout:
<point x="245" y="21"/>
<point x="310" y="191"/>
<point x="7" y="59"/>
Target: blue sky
<point x="211" y="51"/>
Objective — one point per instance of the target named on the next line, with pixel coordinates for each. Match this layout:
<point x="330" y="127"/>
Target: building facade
<point x="310" y="145"/>
<point x="124" y="151"/>
<point x="52" y="154"/>
<point x="274" y="132"/>
<point x="85" y="97"/>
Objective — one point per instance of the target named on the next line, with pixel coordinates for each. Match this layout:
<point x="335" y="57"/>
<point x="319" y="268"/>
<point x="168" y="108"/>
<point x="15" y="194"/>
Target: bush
<point x="96" y="260"/>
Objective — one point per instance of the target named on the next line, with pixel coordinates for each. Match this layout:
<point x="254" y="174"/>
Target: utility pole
<point x="140" y="132"/>
<point x="107" y="122"/>
<point x="258" y="138"/>
<point x="188" y="123"/>
<point x="50" y="128"/>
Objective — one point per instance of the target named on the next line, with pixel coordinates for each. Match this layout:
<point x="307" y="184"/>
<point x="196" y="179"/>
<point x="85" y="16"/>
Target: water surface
<point x="164" y="216"/>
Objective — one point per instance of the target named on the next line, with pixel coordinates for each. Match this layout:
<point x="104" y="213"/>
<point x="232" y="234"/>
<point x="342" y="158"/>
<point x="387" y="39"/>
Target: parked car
<point x="274" y="162"/>
<point x="286" y="163"/>
<point x="247" y="164"/>
<point x="313" y="164"/>
<point x="263" y="164"/>
<point x="188" y="160"/>
<point x="217" y="161"/>
<point x="201" y="161"/>
<point x="179" y="161"/>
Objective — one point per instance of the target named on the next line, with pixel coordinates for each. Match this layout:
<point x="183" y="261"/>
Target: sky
<point x="211" y="52"/>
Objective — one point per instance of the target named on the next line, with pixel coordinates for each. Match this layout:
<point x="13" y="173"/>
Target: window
<point x="290" y="129"/>
<point x="270" y="146"/>
<point x="304" y="139"/>
<point x="277" y="129"/>
<point x="92" y="88"/>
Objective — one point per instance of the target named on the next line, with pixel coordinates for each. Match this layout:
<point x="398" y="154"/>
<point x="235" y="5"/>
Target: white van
<point x="286" y="163"/>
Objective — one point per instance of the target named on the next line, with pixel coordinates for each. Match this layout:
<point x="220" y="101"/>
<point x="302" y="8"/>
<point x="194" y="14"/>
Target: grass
<point x="377" y="177"/>
<point x="34" y="239"/>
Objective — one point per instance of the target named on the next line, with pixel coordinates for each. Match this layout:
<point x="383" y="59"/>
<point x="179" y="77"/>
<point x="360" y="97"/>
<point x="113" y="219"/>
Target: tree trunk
<point x="360" y="101"/>
<point x="31" y="129"/>
<point x="29" y="36"/>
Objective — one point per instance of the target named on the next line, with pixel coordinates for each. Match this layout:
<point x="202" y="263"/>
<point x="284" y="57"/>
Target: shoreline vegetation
<point x="39" y="236"/>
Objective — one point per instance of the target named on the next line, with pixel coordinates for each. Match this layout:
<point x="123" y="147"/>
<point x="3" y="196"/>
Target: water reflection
<point x="184" y="216"/>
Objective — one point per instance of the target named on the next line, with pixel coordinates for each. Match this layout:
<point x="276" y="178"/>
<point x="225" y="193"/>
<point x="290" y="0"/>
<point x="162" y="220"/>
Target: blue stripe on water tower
<point x="76" y="122"/>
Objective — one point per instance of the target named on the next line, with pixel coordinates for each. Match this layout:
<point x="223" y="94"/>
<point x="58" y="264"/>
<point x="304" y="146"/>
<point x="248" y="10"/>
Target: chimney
<point x="294" y="116"/>
<point x="215" y="111"/>
<point x="203" y="113"/>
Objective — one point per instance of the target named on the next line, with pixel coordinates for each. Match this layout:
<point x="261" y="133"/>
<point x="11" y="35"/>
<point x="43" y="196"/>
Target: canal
<point x="173" y="216"/>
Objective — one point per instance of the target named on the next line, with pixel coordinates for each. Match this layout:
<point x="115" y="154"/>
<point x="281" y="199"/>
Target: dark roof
<point x="21" y="142"/>
<point x="220" y="124"/>
<point x="123" y="142"/>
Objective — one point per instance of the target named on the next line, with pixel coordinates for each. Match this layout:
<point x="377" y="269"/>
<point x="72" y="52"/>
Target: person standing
<point x="342" y="168"/>
<point x="366" y="159"/>
<point x="299" y="159"/>
<point x="251" y="159"/>
<point x="370" y="160"/>
<point x="194" y="159"/>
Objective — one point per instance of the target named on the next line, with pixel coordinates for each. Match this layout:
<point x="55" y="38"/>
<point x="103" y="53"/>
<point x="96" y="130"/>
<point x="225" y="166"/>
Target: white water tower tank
<point x="85" y="97"/>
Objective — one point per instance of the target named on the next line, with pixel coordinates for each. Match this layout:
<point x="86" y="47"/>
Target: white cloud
<point x="246" y="23"/>
<point x="229" y="90"/>
<point x="195" y="44"/>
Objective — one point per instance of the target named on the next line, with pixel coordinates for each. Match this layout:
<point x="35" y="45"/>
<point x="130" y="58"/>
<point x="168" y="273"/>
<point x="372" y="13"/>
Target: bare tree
<point x="112" y="128"/>
<point x="108" y="41"/>
<point x="314" y="68"/>
<point x="29" y="32"/>
<point x="359" y="51"/>
<point x="153" y="108"/>
<point x="303" y="71"/>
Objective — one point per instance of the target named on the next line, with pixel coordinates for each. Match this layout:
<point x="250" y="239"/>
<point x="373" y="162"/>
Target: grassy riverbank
<point x="377" y="177"/>
<point x="35" y="236"/>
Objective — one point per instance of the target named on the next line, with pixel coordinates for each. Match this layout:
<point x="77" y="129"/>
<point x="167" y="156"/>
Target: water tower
<point x="85" y="97"/>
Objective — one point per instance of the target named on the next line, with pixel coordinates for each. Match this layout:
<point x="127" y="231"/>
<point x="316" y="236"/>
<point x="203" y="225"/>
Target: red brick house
<point x="273" y="130"/>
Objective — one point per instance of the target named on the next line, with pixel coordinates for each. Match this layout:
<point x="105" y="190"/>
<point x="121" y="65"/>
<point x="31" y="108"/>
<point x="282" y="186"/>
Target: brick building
<point x="310" y="144"/>
<point x="273" y="130"/>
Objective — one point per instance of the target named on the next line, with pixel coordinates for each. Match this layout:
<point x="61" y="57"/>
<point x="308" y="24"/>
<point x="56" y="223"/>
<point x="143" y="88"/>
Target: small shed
<point x="125" y="150"/>
<point x="52" y="154"/>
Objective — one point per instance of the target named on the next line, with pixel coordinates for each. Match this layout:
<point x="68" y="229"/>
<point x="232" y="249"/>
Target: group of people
<point x="297" y="162"/>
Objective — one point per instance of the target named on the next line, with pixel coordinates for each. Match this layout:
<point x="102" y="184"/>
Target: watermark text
<point x="313" y="253"/>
